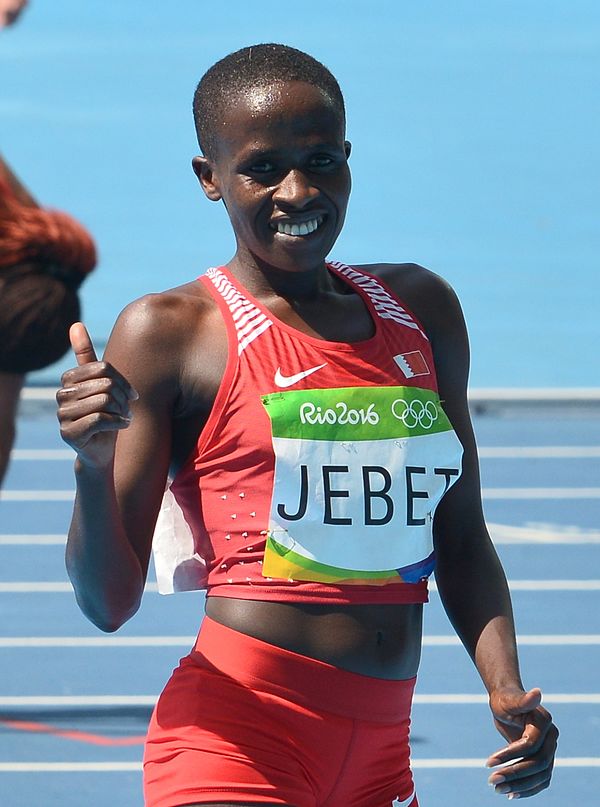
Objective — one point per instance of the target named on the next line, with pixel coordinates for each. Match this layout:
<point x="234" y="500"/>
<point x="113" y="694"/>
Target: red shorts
<point x="243" y="721"/>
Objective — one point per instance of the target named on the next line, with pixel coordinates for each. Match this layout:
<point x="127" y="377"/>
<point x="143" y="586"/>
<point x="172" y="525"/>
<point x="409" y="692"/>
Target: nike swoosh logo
<point x="289" y="380"/>
<point x="406" y="803"/>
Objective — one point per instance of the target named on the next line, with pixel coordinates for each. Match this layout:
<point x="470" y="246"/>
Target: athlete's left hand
<point x="528" y="759"/>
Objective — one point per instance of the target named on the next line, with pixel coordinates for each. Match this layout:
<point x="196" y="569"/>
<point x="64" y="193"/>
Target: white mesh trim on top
<point x="249" y="320"/>
<point x="384" y="304"/>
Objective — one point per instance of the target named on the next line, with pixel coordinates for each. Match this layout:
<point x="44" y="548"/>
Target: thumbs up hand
<point x="93" y="403"/>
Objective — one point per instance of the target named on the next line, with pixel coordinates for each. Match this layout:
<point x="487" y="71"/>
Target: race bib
<point x="359" y="472"/>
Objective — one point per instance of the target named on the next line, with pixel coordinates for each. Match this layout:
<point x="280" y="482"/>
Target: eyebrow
<point x="255" y="152"/>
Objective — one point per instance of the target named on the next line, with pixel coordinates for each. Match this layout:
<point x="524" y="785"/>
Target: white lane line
<point x="534" y="533"/>
<point x="37" y="495"/>
<point x="540" y="640"/>
<point x="539" y="452"/>
<point x="64" y="587"/>
<point x="446" y="640"/>
<point x="37" y="701"/>
<point x="542" y="585"/>
<point x="540" y="493"/>
<point x="97" y="641"/>
<point x="54" y="587"/>
<point x="76" y="700"/>
<point x="549" y="698"/>
<point x="487" y="493"/>
<point x="553" y="394"/>
<point x="469" y="762"/>
<point x="33" y="539"/>
<point x="69" y="767"/>
<point x="36" y="454"/>
<point x="121" y="767"/>
<point x="554" y="585"/>
<point x="26" y="587"/>
<point x="501" y="534"/>
<point x="39" y="393"/>
<point x="485" y="452"/>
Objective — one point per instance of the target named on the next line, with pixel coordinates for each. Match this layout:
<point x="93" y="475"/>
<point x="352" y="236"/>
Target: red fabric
<point x="225" y="488"/>
<point x="241" y="720"/>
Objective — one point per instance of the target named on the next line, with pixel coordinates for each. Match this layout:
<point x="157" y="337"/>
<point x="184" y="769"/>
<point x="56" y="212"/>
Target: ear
<point x="204" y="170"/>
<point x="347" y="148"/>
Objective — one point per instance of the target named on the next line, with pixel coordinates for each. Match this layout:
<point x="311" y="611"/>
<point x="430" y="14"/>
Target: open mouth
<point x="295" y="228"/>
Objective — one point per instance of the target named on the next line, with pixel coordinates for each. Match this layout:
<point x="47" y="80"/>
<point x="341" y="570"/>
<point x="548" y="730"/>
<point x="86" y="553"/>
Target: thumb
<point x="520" y="703"/>
<point x="528" y="701"/>
<point x="82" y="344"/>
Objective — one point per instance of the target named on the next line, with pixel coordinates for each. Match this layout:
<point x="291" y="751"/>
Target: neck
<point x="264" y="281"/>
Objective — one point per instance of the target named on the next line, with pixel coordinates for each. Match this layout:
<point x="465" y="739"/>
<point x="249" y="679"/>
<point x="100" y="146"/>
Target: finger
<point x="524" y="768"/>
<point x="82" y="344"/>
<point x="77" y="410"/>
<point x="525" y="785"/>
<point x="79" y="434"/>
<point x="528" y="787"/>
<point x="100" y="371"/>
<point x="116" y="388"/>
<point x="533" y="735"/>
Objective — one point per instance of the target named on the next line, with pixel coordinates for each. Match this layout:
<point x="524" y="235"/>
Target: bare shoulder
<point x="428" y="296"/>
<point x="157" y="337"/>
<point x="161" y="320"/>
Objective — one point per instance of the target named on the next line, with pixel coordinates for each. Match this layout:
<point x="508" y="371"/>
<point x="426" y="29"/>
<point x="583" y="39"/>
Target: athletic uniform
<point x="315" y="480"/>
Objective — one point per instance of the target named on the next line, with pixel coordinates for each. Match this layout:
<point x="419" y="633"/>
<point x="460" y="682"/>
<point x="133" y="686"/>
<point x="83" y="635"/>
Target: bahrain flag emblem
<point x="412" y="363"/>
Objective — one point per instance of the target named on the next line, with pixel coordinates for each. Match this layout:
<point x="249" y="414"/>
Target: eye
<point x="320" y="161"/>
<point x="262" y="167"/>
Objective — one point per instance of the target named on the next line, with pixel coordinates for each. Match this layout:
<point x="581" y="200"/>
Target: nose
<point x="295" y="190"/>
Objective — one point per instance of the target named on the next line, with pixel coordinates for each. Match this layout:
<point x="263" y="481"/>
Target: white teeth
<point x="305" y="228"/>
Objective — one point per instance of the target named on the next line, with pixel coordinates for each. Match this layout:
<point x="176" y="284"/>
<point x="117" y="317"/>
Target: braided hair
<point x="44" y="257"/>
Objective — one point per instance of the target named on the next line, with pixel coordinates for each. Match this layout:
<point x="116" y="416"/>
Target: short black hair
<point x="251" y="67"/>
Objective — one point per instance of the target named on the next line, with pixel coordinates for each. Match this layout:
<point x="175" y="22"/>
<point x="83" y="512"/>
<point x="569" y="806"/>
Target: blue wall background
<point x="475" y="131"/>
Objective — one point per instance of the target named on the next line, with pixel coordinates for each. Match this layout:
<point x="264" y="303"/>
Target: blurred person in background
<point x="44" y="257"/>
<point x="10" y="10"/>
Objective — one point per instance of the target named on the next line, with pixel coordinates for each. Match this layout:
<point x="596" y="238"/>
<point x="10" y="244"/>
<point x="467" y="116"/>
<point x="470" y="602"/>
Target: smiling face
<point x="281" y="170"/>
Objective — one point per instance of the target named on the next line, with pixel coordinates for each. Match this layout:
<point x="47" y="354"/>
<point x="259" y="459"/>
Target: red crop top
<point x="317" y="474"/>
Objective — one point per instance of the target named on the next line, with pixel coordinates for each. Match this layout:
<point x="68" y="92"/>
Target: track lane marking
<point x="37" y="495"/>
<point x="501" y="534"/>
<point x="443" y="640"/>
<point x="485" y="452"/>
<point x="517" y="493"/>
<point x="448" y="699"/>
<point x="512" y="493"/>
<point x="115" y="767"/>
<point x="32" y="539"/>
<point x="50" y="587"/>
<point x="63" y="586"/>
<point x="41" y="454"/>
<point x="538" y="452"/>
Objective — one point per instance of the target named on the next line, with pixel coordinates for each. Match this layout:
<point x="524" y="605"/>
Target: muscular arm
<point x="469" y="575"/>
<point x="470" y="578"/>
<point x="122" y="466"/>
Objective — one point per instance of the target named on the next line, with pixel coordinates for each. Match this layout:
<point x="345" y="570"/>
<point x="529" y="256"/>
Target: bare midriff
<point x="383" y="641"/>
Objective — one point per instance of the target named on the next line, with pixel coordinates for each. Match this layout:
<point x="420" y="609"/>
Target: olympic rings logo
<point x="415" y="413"/>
